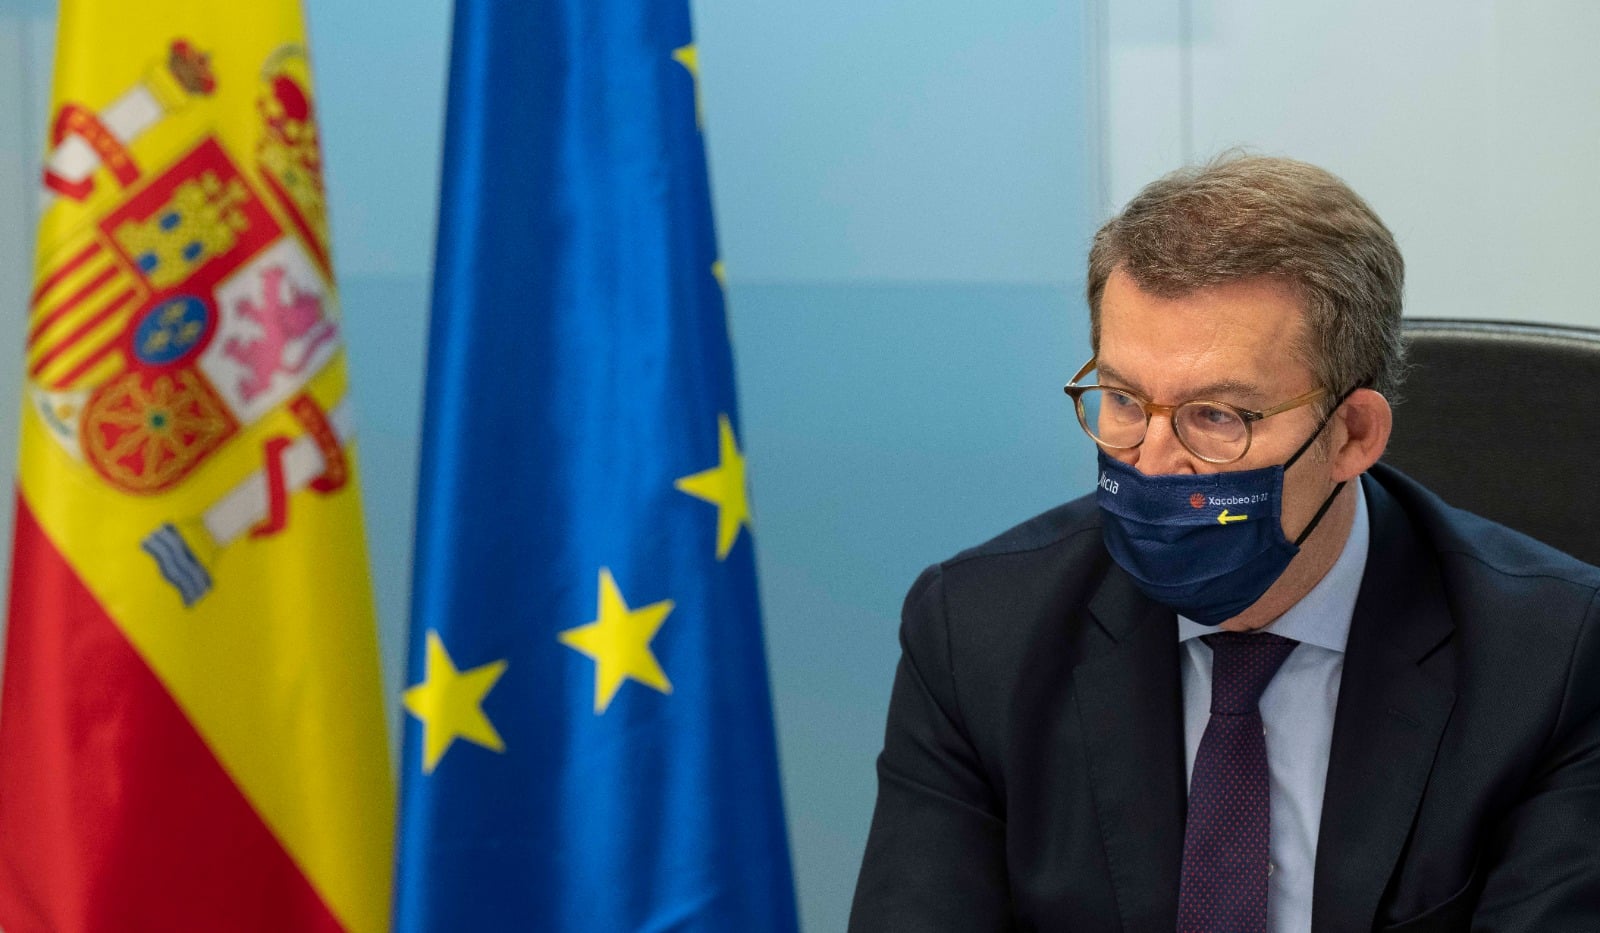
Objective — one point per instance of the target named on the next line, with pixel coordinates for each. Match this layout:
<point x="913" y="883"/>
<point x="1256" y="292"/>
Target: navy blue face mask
<point x="1206" y="546"/>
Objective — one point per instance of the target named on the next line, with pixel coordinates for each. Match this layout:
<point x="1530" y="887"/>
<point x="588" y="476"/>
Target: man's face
<point x="1227" y="343"/>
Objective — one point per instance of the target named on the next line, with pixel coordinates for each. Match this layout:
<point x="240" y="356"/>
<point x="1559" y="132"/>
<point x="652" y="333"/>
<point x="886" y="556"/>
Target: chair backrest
<point x="1503" y="420"/>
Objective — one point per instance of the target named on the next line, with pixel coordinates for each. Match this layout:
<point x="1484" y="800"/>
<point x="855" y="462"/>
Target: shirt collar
<point x="1322" y="616"/>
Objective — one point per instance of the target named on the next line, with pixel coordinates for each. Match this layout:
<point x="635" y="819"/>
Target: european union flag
<point x="589" y="743"/>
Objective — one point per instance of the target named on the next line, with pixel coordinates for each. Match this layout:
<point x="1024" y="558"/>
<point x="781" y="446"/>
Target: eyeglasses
<point x="1216" y="432"/>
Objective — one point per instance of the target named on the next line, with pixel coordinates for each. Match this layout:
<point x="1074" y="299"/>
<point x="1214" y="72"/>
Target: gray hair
<point x="1244" y="216"/>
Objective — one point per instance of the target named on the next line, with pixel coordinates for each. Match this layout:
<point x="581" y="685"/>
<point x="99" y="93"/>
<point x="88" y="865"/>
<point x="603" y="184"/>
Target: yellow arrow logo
<point x="1225" y="518"/>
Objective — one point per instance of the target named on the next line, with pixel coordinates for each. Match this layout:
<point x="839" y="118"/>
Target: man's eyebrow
<point x="1232" y="387"/>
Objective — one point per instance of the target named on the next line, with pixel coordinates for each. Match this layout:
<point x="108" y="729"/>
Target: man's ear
<point x="1366" y="419"/>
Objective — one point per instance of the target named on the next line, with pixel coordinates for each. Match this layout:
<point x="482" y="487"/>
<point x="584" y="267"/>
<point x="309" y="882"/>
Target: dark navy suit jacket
<point x="1032" y="776"/>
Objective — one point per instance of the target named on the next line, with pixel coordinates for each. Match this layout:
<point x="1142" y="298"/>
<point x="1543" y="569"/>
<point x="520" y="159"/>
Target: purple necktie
<point x="1225" y="844"/>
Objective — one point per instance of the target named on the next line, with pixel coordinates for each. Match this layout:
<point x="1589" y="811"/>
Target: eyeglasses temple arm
<point x="1087" y="368"/>
<point x="1295" y="402"/>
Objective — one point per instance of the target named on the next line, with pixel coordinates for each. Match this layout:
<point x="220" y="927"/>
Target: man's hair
<point x="1241" y="216"/>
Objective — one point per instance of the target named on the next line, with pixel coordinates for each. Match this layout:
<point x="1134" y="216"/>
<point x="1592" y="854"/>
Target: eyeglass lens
<point x="1117" y="419"/>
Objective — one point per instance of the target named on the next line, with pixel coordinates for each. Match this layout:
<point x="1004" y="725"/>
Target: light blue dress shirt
<point x="1297" y="710"/>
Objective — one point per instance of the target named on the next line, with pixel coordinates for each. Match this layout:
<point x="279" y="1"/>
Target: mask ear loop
<point x="1328" y="502"/>
<point x="1315" y="519"/>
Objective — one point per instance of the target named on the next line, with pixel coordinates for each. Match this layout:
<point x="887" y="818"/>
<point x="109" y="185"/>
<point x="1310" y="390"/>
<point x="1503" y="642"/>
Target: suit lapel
<point x="1131" y="706"/>
<point x="1394" y="701"/>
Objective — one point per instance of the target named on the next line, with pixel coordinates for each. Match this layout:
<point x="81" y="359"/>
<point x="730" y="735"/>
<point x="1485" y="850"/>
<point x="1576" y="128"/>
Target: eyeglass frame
<point x="1151" y="409"/>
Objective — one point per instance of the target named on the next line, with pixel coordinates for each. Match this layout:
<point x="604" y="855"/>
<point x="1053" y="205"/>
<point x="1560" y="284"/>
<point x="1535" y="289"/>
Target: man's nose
<point x="1162" y="452"/>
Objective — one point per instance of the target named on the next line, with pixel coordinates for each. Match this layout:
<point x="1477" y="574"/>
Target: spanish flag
<point x="192" y="725"/>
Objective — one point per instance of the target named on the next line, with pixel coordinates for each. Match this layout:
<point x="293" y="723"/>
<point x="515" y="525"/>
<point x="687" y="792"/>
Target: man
<point x="1257" y="681"/>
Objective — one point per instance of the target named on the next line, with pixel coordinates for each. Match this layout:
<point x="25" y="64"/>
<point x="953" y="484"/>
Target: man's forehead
<point x="1242" y="337"/>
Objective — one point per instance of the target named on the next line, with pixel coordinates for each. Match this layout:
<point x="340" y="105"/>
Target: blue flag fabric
<point x="589" y="741"/>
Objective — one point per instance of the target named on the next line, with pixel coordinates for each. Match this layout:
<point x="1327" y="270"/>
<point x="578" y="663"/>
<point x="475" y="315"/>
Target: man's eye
<point x="1210" y="417"/>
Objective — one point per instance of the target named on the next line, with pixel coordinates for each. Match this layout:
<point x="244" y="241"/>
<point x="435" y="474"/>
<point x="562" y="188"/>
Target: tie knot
<point x="1242" y="664"/>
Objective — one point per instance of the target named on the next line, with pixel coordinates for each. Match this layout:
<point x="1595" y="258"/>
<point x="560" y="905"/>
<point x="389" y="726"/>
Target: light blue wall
<point x="904" y="194"/>
<point x="887" y="426"/>
<point x="905" y="140"/>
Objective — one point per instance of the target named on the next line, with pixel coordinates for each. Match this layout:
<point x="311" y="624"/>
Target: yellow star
<point x="619" y="642"/>
<point x="450" y="704"/>
<point x="689" y="57"/>
<point x="720" y="273"/>
<point x="723" y="486"/>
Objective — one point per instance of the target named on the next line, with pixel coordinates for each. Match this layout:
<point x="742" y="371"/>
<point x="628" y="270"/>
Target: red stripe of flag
<point x="114" y="813"/>
<point x="78" y="297"/>
<point x="67" y="342"/>
<point x="88" y="362"/>
<point x="60" y="274"/>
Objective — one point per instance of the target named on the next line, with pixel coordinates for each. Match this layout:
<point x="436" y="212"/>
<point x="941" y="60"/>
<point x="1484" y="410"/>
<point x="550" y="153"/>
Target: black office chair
<point x="1503" y="419"/>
